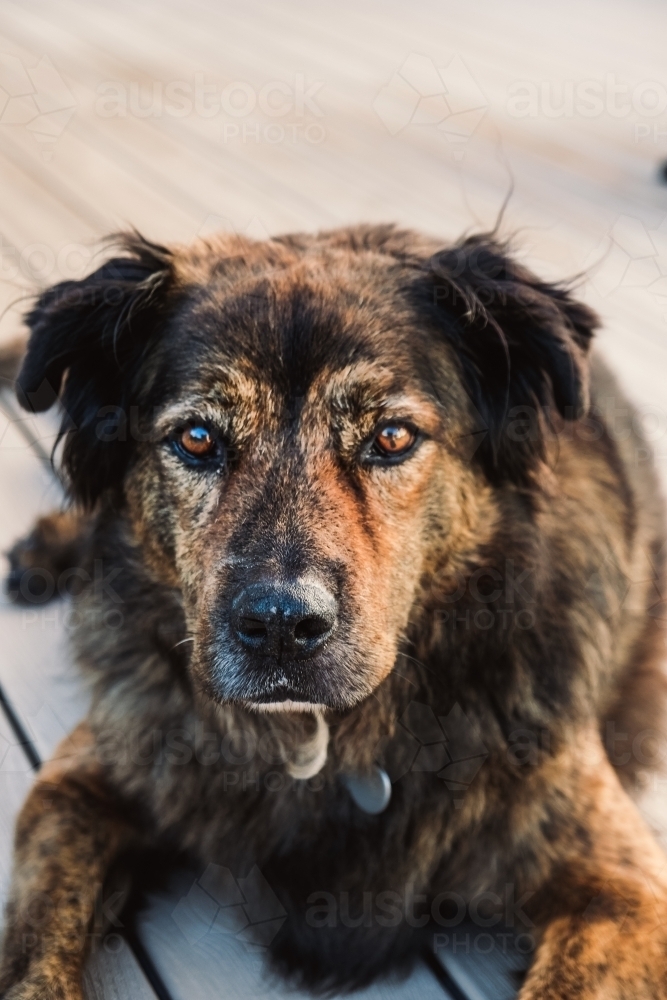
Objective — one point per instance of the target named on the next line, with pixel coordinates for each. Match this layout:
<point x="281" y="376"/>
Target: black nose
<point x="284" y="619"/>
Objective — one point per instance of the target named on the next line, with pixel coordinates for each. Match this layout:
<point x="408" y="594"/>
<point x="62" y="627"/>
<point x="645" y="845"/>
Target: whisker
<point x="190" y="639"/>
<point x="418" y="663"/>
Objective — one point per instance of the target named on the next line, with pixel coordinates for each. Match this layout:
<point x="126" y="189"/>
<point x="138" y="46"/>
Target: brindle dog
<point x="330" y="477"/>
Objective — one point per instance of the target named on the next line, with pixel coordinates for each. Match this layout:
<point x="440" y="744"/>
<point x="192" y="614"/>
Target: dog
<point x="348" y="491"/>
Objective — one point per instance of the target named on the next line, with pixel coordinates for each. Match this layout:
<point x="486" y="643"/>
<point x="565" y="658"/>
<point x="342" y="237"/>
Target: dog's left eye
<point x="392" y="443"/>
<point x="197" y="444"/>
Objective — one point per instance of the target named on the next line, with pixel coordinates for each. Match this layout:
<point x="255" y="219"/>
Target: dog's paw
<point x="29" y="581"/>
<point x="40" y="986"/>
<point x="39" y="562"/>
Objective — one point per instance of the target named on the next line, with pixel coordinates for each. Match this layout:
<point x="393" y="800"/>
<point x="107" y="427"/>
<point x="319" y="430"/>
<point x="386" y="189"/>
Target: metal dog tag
<point x="371" y="792"/>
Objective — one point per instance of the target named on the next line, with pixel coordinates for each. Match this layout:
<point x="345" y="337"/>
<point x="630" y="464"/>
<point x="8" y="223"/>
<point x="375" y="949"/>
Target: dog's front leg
<point x="605" y="933"/>
<point x="68" y="833"/>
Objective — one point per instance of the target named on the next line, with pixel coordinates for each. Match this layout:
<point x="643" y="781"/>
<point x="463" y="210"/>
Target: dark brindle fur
<point x="525" y="492"/>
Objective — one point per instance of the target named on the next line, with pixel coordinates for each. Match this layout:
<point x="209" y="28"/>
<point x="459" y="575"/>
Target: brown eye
<point x="394" y="440"/>
<point x="198" y="442"/>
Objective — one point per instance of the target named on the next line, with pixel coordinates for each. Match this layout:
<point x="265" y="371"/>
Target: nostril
<point x="252" y="628"/>
<point x="311" y="628"/>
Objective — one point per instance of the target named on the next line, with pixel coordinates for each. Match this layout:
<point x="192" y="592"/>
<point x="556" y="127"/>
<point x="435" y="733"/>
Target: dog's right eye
<point x="197" y="441"/>
<point x="198" y="445"/>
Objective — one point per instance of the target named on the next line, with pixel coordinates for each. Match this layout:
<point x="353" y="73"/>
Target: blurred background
<point x="183" y="118"/>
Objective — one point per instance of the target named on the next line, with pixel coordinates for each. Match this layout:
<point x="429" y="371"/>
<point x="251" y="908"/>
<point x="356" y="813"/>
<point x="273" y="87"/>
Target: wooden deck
<point x="316" y="115"/>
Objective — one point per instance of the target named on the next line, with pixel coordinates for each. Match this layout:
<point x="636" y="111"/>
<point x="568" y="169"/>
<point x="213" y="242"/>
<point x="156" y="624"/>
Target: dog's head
<point x="304" y="432"/>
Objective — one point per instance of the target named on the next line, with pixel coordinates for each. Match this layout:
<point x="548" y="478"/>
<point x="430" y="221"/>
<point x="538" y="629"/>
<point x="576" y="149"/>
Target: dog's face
<point x="291" y="427"/>
<point x="301" y="460"/>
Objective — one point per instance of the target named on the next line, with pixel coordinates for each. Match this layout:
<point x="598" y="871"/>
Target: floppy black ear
<point x="523" y="346"/>
<point x="86" y="340"/>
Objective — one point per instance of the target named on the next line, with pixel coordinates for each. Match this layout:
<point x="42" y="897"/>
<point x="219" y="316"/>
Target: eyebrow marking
<point x="191" y="408"/>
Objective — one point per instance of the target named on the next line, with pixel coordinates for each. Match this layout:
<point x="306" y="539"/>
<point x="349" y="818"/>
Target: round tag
<point x="371" y="792"/>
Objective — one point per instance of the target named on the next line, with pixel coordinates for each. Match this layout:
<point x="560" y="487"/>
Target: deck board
<point x="181" y="942"/>
<point x="574" y="178"/>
